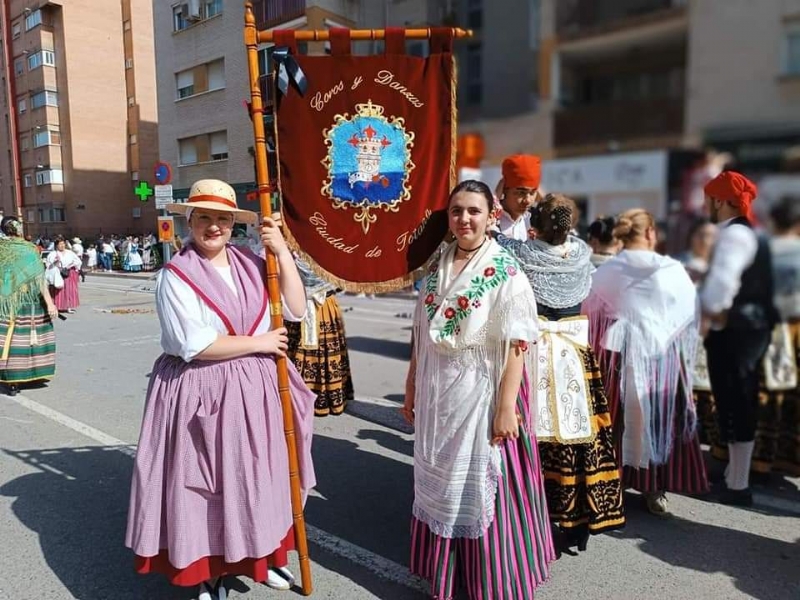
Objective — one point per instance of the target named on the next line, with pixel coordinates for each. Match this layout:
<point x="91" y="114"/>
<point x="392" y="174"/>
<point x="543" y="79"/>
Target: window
<point x="202" y="78"/>
<point x="47" y="137"/>
<point x="132" y="138"/>
<point x="46" y="98"/>
<point x="31" y="215"/>
<point x="136" y="213"/>
<point x="216" y="75"/>
<point x="187" y="150"/>
<point x="474" y="67"/>
<point x="51" y="176"/>
<point x="218" y="142"/>
<point x="33" y="20"/>
<point x="27" y="180"/>
<point x="19" y="66"/>
<point x="24" y="143"/>
<point x="203" y="148"/>
<point x="43" y="57"/>
<point x="131" y="101"/>
<point x="474" y="14"/>
<point x="16" y="31"/>
<point x="179" y="22"/>
<point x="126" y="25"/>
<point x="134" y="175"/>
<point x="212" y="8"/>
<point x="51" y="215"/>
<point x="185" y="83"/>
<point x="128" y="63"/>
<point x="22" y="105"/>
<point x="792" y="53"/>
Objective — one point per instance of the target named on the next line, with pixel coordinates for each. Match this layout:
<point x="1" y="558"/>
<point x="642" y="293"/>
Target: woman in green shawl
<point x="27" y="339"/>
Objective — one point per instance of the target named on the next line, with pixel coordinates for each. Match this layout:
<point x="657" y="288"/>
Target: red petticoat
<point x="210" y="567"/>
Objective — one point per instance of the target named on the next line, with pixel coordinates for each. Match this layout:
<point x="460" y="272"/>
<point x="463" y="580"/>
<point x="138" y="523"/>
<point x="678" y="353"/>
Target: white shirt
<point x="734" y="252"/>
<point x="63" y="260"/>
<point x="518" y="229"/>
<point x="188" y="325"/>
<point x="107" y="248"/>
<point x="77" y="249"/>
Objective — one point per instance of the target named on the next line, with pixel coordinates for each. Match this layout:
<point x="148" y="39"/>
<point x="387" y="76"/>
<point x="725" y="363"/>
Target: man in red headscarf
<point x="737" y="304"/>
<point x="521" y="176"/>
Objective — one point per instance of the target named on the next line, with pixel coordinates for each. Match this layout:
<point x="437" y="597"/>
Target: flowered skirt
<point x="512" y="558"/>
<point x="326" y="368"/>
<point x="27" y="346"/>
<point x="583" y="480"/>
<point x="777" y="440"/>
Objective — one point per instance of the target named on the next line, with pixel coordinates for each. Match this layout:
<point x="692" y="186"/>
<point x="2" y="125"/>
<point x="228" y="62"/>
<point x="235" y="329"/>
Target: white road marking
<point x="70" y="423"/>
<point x="382" y="567"/>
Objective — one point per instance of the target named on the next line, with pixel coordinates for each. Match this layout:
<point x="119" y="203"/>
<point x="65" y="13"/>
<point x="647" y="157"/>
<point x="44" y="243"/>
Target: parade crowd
<point x="547" y="375"/>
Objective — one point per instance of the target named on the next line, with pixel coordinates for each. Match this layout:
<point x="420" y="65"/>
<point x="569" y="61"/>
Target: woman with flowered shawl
<point x="644" y="328"/>
<point x="27" y="338"/>
<point x="480" y="512"/>
<point x="210" y="494"/>
<point x="573" y="423"/>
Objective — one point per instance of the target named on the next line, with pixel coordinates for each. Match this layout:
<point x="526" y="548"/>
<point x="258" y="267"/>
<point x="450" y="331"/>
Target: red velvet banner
<point x="367" y="159"/>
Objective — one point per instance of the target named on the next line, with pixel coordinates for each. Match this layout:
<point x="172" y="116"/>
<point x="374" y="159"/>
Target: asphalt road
<point x="66" y="455"/>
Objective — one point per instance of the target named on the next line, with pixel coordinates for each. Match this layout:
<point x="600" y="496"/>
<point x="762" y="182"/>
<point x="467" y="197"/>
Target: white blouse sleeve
<point x="183" y="330"/>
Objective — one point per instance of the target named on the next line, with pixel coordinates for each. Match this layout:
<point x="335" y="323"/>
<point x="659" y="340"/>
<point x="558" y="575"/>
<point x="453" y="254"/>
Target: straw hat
<point x="213" y="194"/>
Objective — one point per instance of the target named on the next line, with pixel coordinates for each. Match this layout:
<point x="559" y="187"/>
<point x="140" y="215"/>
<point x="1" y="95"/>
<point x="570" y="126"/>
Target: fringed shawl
<point x="464" y="325"/>
<point x="22" y="276"/>
<point x="644" y="307"/>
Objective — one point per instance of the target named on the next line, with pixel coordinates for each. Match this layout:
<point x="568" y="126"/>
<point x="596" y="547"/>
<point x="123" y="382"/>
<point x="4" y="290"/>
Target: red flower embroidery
<point x="463" y="302"/>
<point x="450" y="313"/>
<point x="489" y="271"/>
<point x="429" y="299"/>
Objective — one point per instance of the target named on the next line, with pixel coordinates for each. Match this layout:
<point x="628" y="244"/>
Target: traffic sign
<point x="163" y="196"/>
<point x="162" y="172"/>
<point x="166" y="229"/>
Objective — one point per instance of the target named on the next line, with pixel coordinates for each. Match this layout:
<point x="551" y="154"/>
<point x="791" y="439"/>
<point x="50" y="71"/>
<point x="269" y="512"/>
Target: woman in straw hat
<point x="210" y="494"/>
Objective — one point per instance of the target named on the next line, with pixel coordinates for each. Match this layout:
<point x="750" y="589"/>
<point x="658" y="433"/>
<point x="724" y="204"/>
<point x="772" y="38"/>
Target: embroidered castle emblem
<point x="368" y="163"/>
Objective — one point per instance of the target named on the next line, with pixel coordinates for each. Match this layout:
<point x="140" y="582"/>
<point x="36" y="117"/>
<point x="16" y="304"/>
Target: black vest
<point x="753" y="307"/>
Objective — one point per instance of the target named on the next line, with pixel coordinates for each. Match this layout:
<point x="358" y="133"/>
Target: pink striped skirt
<point x="512" y="558"/>
<point x="67" y="297"/>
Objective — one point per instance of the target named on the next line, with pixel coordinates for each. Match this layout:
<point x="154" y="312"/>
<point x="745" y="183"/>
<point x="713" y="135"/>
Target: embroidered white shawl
<point x="463" y="329"/>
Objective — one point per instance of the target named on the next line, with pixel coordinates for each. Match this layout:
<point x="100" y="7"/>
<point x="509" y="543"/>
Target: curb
<point x="123" y="275"/>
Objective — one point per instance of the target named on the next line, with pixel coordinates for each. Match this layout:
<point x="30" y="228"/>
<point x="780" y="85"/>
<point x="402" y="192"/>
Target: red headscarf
<point x="522" y="170"/>
<point x="735" y="189"/>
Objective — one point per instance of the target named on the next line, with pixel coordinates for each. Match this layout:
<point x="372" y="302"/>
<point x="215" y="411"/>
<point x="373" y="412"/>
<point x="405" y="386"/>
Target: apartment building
<point x="743" y="85"/>
<point x="628" y="75"/>
<point x="203" y="84"/>
<point x="78" y="93"/>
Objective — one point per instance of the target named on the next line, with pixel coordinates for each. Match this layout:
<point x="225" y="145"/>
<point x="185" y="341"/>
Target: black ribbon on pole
<point x="288" y="71"/>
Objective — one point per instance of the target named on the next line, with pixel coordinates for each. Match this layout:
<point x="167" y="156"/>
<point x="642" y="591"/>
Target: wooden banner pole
<point x="273" y="288"/>
<point x="323" y="35"/>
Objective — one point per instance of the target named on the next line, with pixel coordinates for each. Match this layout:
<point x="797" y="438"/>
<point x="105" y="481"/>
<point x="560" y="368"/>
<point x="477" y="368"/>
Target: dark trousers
<point x="734" y="363"/>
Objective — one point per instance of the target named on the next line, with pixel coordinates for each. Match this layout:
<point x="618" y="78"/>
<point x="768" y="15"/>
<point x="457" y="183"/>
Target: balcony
<point x="271" y="13"/>
<point x="618" y="121"/>
<point x="580" y="18"/>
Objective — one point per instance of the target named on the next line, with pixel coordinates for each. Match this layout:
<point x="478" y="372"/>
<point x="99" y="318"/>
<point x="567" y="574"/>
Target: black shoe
<point x="12" y="389"/>
<point x="737" y="497"/>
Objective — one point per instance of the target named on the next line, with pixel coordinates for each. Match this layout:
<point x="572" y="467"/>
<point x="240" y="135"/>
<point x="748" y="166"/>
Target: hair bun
<point x="623" y="228"/>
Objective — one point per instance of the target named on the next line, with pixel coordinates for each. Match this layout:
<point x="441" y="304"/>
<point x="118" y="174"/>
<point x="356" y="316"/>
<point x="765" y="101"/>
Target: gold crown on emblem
<point x="369" y="109"/>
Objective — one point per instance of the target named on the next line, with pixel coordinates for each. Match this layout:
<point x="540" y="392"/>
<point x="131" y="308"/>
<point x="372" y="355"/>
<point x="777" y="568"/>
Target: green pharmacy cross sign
<point x="144" y="191"/>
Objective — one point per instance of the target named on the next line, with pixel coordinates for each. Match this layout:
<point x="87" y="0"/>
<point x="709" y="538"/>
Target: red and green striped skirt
<point x="512" y="558"/>
<point x="27" y="346"/>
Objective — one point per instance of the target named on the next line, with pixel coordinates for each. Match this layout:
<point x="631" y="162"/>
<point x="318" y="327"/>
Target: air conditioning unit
<point x="190" y="10"/>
